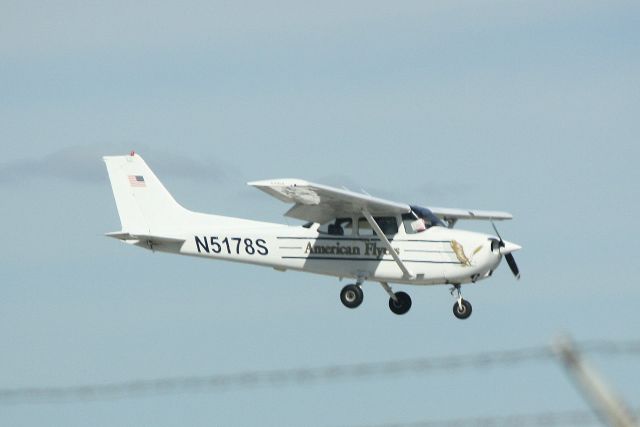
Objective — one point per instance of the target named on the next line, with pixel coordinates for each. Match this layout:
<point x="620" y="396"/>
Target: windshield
<point x="429" y="218"/>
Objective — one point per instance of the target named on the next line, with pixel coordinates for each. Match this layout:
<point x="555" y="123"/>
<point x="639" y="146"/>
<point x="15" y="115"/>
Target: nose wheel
<point x="462" y="307"/>
<point x="351" y="296"/>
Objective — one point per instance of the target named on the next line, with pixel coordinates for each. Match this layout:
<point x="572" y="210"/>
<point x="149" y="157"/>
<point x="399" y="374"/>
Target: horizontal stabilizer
<point x="147" y="239"/>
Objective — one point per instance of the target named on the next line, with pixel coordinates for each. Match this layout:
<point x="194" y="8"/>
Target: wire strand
<point x="545" y="419"/>
<point x="282" y="377"/>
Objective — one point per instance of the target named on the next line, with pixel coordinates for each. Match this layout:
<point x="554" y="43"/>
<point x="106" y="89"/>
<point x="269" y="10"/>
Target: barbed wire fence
<point x="299" y="376"/>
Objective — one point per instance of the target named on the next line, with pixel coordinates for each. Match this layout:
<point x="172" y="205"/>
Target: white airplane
<point x="347" y="235"/>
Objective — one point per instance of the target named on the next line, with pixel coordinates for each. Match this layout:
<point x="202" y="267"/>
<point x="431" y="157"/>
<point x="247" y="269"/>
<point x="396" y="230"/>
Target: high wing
<point x="451" y="216"/>
<point x="321" y="203"/>
<point x="448" y="214"/>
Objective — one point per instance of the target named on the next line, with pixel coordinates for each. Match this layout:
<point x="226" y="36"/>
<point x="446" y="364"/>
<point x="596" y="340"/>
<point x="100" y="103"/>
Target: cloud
<point x="83" y="164"/>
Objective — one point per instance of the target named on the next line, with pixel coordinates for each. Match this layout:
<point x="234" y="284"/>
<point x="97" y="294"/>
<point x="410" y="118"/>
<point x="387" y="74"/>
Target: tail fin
<point x="144" y="204"/>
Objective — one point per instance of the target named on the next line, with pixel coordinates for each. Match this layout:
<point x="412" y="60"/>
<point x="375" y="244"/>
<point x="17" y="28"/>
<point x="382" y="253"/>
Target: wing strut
<point x="407" y="273"/>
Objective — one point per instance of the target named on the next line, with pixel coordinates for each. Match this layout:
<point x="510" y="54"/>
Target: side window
<point x="388" y="225"/>
<point x="364" y="229"/>
<point x="337" y="227"/>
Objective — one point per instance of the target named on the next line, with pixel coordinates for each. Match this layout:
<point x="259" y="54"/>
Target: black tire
<point x="351" y="296"/>
<point x="464" y="312"/>
<point x="403" y="305"/>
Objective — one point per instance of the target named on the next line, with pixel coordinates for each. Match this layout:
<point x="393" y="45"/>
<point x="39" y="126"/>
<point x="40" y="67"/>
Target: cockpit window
<point x="337" y="227"/>
<point x="388" y="225"/>
<point x="429" y="220"/>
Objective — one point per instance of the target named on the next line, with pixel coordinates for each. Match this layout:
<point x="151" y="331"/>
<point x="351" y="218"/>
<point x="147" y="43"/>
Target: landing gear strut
<point x="462" y="307"/>
<point x="351" y="296"/>
<point x="399" y="302"/>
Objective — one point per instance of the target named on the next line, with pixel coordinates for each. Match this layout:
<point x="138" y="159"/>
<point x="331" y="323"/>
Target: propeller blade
<point x="512" y="265"/>
<point x="497" y="234"/>
<point x="508" y="255"/>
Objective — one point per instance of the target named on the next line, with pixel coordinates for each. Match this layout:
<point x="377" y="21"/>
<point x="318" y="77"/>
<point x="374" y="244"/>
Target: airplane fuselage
<point x="435" y="256"/>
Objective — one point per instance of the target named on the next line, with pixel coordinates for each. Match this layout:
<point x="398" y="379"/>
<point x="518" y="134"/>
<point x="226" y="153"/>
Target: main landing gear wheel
<point x="462" y="310"/>
<point x="402" y="305"/>
<point x="351" y="296"/>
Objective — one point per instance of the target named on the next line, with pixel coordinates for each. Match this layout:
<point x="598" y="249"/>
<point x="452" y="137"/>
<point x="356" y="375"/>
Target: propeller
<point x="512" y="265"/>
<point x="508" y="256"/>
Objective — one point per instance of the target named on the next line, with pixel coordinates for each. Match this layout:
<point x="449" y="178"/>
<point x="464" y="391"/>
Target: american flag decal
<point x="137" y="181"/>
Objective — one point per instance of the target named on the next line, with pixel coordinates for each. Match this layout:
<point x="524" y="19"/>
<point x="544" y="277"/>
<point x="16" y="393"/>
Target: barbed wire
<point x="283" y="377"/>
<point x="538" y="419"/>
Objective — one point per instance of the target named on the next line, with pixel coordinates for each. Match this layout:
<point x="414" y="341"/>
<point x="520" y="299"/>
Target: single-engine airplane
<point x="346" y="234"/>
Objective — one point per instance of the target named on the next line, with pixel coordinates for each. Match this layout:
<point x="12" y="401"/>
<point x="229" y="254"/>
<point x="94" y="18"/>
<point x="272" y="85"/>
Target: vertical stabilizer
<point x="144" y="204"/>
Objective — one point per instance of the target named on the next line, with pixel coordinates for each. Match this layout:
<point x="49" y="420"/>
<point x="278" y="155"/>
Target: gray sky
<point x="529" y="107"/>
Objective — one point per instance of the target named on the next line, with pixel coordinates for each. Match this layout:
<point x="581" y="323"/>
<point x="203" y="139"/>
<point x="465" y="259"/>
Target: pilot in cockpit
<point x="338" y="227"/>
<point x="336" y="230"/>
